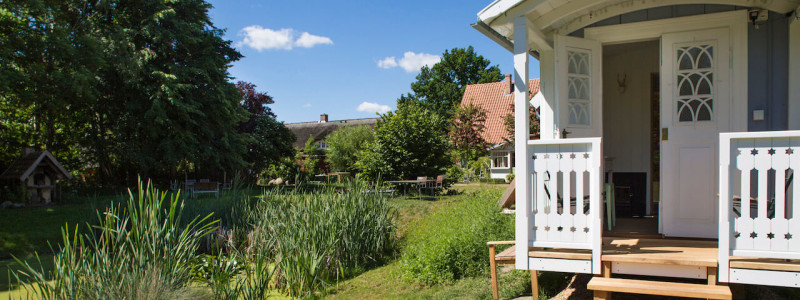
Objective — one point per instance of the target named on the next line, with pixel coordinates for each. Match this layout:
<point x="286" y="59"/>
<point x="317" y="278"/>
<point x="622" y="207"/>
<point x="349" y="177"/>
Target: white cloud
<point x="387" y="63"/>
<point x="373" y="107"/>
<point x="308" y="40"/>
<point x="307" y="105"/>
<point x="260" y="39"/>
<point x="411" y="62"/>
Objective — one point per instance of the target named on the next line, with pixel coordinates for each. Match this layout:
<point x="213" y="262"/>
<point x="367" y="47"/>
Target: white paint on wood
<point x="523" y="215"/>
<point x="560" y="265"/>
<point x="688" y="175"/>
<point x="677" y="271"/>
<point x="565" y="173"/>
<point x="765" y="277"/>
<point x="565" y="49"/>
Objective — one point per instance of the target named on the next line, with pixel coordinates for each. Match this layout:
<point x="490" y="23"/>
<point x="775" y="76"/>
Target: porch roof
<point x="547" y="17"/>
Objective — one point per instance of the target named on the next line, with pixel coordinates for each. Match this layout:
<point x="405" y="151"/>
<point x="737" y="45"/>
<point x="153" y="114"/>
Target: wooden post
<point x="602" y="295"/>
<point x="534" y="285"/>
<point x="493" y="271"/>
<point x="712" y="275"/>
<point x="607" y="269"/>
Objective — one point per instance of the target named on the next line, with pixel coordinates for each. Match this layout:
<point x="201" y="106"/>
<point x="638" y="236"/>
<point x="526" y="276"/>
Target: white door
<point x="695" y="107"/>
<point x="578" y="86"/>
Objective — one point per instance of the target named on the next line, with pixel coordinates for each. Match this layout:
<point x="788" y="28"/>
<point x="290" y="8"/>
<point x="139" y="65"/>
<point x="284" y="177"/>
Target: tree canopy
<point x="344" y="145"/>
<point x="440" y="87"/>
<point x="466" y="132"/>
<point x="130" y="87"/>
<point x="409" y="142"/>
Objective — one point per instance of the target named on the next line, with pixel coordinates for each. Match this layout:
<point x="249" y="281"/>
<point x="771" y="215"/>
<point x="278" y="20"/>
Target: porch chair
<point x="437" y="186"/>
<point x="506" y="258"/>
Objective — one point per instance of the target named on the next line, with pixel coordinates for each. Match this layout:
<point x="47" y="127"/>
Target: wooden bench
<point x="506" y="258"/>
<point x="206" y="188"/>
<point x="603" y="287"/>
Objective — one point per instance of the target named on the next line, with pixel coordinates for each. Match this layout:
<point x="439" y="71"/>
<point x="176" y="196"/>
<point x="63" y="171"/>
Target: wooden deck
<point x="699" y="253"/>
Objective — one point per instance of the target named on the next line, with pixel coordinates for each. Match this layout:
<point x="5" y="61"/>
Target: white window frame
<point x="505" y="154"/>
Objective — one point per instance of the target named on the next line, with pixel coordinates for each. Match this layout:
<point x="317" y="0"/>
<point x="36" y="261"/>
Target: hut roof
<point x="24" y="166"/>
<point x="319" y="130"/>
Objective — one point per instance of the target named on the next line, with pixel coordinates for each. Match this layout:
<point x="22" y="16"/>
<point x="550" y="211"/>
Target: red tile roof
<point x="495" y="99"/>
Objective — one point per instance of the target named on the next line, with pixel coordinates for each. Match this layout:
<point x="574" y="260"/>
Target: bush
<point x="345" y="143"/>
<point x="322" y="236"/>
<point x="139" y="250"/>
<point x="451" y="243"/>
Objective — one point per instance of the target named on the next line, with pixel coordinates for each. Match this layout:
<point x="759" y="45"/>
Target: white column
<point x="521" y="136"/>
<point x="794" y="74"/>
<point x="547" y="117"/>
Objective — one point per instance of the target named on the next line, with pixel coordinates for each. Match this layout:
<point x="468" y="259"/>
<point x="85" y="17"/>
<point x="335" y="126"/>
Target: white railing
<point x="757" y="215"/>
<point x="565" y="205"/>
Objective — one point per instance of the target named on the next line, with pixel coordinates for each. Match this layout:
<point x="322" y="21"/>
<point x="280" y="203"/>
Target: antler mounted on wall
<point x="622" y="82"/>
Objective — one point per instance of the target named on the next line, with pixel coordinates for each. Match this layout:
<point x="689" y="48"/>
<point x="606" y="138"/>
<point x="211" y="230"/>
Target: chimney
<point x="323" y="118"/>
<point x="510" y="84"/>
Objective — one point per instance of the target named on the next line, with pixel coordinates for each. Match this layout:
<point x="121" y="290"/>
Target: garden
<point x="309" y="241"/>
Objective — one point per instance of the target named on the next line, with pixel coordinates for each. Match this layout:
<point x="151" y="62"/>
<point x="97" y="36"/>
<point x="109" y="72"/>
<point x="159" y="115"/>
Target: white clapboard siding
<point x="757" y="188"/>
<point x="565" y="178"/>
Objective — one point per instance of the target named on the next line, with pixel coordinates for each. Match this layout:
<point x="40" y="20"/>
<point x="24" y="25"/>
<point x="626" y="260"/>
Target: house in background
<point x="38" y="171"/>
<point x="320" y="129"/>
<point x="497" y="98"/>
<point x="693" y="105"/>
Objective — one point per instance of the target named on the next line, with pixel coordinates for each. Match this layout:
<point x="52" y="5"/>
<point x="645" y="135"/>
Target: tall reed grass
<point x="320" y="237"/>
<point x="138" y="250"/>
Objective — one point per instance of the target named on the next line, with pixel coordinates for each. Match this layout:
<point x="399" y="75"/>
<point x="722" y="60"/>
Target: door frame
<point x="735" y="21"/>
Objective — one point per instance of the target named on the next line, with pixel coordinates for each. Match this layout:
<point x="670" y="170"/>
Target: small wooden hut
<point x="38" y="171"/>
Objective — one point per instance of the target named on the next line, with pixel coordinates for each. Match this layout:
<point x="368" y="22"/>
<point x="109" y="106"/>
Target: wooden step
<point x="603" y="285"/>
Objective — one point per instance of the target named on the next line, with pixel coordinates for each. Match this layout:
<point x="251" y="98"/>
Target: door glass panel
<point x="695" y="83"/>
<point x="579" y="87"/>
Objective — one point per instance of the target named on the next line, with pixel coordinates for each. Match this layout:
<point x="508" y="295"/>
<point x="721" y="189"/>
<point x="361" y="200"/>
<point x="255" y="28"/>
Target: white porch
<point x="703" y="95"/>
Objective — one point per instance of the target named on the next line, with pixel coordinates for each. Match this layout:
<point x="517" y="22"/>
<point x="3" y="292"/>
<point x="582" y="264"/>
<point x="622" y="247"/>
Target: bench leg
<point x="493" y="271"/>
<point x="602" y="295"/>
<point x="534" y="285"/>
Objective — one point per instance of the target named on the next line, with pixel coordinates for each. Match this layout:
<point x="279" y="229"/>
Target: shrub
<point x="322" y="236"/>
<point x="345" y="143"/>
<point x="451" y="243"/>
<point x="139" y="250"/>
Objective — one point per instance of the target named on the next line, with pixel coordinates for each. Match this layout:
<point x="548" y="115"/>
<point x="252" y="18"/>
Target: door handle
<point x="664" y="134"/>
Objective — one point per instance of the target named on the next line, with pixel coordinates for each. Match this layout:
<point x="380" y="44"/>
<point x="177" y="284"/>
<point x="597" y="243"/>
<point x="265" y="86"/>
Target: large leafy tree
<point x="440" y="87"/>
<point x="134" y="87"/>
<point x="344" y="145"/>
<point x="409" y="142"/>
<point x="268" y="140"/>
<point x="466" y="130"/>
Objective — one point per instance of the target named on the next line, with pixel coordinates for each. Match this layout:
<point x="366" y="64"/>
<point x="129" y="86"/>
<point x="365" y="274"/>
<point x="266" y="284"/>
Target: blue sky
<point x="346" y="58"/>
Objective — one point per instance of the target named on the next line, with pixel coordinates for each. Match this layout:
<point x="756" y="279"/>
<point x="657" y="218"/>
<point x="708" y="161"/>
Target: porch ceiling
<point x="546" y="17"/>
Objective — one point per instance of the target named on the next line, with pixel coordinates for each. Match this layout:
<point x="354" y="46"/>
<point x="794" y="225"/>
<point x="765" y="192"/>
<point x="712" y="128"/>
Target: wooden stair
<point x="604" y="286"/>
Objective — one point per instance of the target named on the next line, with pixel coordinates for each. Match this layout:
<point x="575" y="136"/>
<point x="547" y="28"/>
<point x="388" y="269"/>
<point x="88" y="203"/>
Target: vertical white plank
<point x="761" y="225"/>
<point x="724" y="205"/>
<point x="780" y="225"/>
<point x="565" y="164"/>
<point x="523" y="211"/>
<point x="596" y="164"/>
<point x="794" y="223"/>
<point x="540" y="167"/>
<point x="744" y="224"/>
<point x="580" y="166"/>
<point x="553" y="218"/>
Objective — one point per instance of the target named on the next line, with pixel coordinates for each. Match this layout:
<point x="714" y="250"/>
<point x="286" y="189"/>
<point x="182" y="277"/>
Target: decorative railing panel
<point x="565" y="193"/>
<point x="758" y="216"/>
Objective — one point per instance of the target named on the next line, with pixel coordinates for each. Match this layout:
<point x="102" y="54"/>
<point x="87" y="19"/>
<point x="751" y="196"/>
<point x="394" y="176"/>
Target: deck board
<point x="661" y="251"/>
<point x="773" y="264"/>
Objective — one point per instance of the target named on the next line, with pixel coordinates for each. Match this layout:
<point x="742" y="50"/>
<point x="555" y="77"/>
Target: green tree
<point x="409" y="142"/>
<point x="466" y="132"/>
<point x="344" y="145"/>
<point x="268" y="140"/>
<point x="310" y="158"/>
<point x="440" y="87"/>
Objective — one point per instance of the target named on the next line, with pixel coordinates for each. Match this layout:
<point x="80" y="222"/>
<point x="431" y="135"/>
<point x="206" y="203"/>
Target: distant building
<point x="497" y="98"/>
<point x="38" y="171"/>
<point x="319" y="130"/>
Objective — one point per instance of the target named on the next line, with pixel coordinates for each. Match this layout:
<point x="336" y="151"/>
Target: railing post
<point x="523" y="196"/>
<point x="724" y="206"/>
<point x="596" y="205"/>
